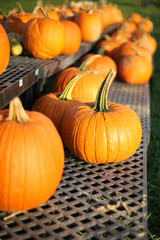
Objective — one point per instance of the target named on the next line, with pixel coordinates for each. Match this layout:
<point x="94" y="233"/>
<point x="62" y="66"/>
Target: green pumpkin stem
<point x="102" y="50"/>
<point x="89" y="60"/>
<point x="4" y="14"/>
<point x="102" y="95"/>
<point x="66" y="93"/>
<point x="17" y="112"/>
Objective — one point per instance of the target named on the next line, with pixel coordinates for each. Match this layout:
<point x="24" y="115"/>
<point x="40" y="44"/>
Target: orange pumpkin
<point x="134" y="69"/>
<point x="90" y="24"/>
<point x="148" y="42"/>
<point x="32" y="158"/>
<point x="100" y="63"/>
<point x="135" y="17"/>
<point x="85" y="89"/>
<point x="16" y="21"/>
<point x="4" y="50"/>
<point x="73" y="37"/>
<point x="55" y="105"/>
<point x="44" y="38"/>
<point x="104" y="132"/>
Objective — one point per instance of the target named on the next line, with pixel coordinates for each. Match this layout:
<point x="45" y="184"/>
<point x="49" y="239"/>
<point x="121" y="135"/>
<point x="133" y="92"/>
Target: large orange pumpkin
<point x="32" y="158"/>
<point x="44" y="38"/>
<point x="104" y="132"/>
<point x="4" y="50"/>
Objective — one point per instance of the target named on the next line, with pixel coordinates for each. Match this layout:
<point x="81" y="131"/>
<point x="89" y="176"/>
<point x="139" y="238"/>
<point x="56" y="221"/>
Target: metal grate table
<point x="93" y="201"/>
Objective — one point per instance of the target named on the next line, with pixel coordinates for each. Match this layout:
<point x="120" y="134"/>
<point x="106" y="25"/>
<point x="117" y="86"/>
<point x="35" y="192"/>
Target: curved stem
<point x="17" y="112"/>
<point x="66" y="93"/>
<point x="89" y="60"/>
<point x="22" y="12"/>
<point x="102" y="50"/>
<point x="102" y="95"/>
<point x="4" y="14"/>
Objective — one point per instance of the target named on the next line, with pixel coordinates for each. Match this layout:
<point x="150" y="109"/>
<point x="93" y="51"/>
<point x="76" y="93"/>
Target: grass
<point x="152" y="10"/>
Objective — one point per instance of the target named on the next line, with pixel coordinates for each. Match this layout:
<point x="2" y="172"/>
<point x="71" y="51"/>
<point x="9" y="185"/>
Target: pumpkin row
<point x="31" y="142"/>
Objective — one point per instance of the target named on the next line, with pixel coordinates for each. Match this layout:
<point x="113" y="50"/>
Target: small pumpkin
<point x="135" y="69"/>
<point x="32" y="158"/>
<point x="90" y="24"/>
<point x="4" y="50"/>
<point x="104" y="132"/>
<point x="15" y="22"/>
<point x="43" y="37"/>
<point x="55" y="105"/>
<point x="99" y="62"/>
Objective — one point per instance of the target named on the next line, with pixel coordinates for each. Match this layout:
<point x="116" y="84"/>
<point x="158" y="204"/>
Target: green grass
<point x="152" y="10"/>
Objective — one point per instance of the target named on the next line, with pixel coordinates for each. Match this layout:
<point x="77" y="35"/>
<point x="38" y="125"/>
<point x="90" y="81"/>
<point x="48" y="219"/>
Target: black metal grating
<point x="94" y="201"/>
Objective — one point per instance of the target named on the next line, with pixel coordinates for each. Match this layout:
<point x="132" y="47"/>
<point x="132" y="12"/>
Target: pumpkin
<point x="99" y="62"/>
<point x="109" y="45"/>
<point x="16" y="21"/>
<point x="43" y="37"/>
<point x="73" y="37"/>
<point x="85" y="89"/>
<point x="4" y="50"/>
<point x="129" y="48"/>
<point x="135" y="69"/>
<point x="146" y="25"/>
<point x="55" y="105"/>
<point x="135" y="17"/>
<point x="148" y="42"/>
<point x="32" y="158"/>
<point x="90" y="24"/>
<point x="104" y="132"/>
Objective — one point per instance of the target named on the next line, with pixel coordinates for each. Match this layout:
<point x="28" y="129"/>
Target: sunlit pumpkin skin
<point x="16" y="21"/>
<point x="134" y="69"/>
<point x="44" y="38"/>
<point x="31" y="163"/>
<point x="73" y="37"/>
<point x="90" y="25"/>
<point x="85" y="89"/>
<point x="4" y="50"/>
<point x="101" y="135"/>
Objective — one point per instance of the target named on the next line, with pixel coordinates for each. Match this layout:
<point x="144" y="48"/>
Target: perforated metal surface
<point x="94" y="201"/>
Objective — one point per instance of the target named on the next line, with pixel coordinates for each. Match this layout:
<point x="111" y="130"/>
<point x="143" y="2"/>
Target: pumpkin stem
<point x="66" y="93"/>
<point x="22" y="12"/>
<point x="41" y="9"/>
<point x="89" y="60"/>
<point x="102" y="95"/>
<point x="135" y="51"/>
<point x="102" y="50"/>
<point x="4" y="14"/>
<point x="17" y="112"/>
<point x="108" y="38"/>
